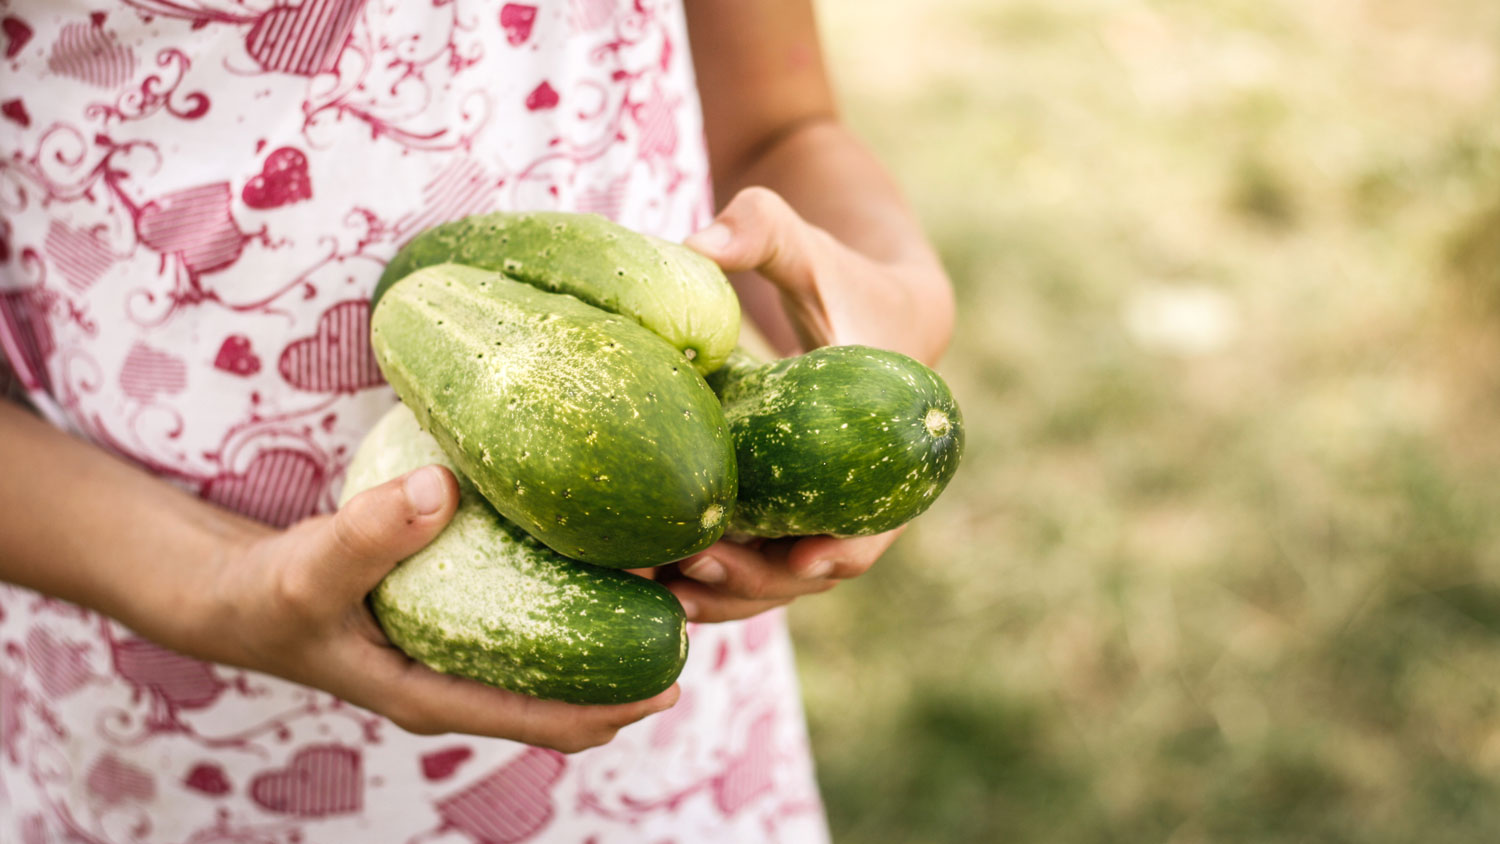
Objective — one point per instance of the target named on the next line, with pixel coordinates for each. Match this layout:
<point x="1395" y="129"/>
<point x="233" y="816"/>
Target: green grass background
<point x="1232" y="576"/>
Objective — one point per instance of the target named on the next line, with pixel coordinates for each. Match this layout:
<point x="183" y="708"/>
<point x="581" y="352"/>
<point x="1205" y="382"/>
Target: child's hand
<point x="833" y="295"/>
<point x="292" y="603"/>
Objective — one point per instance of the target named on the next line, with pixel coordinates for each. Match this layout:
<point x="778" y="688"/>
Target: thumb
<point x="758" y="230"/>
<point x="380" y="527"/>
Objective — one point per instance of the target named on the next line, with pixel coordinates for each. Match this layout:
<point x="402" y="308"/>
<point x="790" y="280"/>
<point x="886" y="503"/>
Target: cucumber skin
<point x="836" y="441"/>
<point x="579" y="425"/>
<point x="671" y="290"/>
<point x="485" y="601"/>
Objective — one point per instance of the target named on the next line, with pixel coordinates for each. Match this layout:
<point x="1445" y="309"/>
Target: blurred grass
<point x="1223" y="560"/>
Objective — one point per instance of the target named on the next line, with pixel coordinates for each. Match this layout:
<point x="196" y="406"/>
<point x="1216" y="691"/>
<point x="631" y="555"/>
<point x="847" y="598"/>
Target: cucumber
<point x="579" y="425"/>
<point x="844" y="440"/>
<point x="680" y="295"/>
<point x="484" y="600"/>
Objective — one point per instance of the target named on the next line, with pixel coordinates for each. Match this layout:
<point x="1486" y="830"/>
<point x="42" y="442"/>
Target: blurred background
<point x="1223" y="560"/>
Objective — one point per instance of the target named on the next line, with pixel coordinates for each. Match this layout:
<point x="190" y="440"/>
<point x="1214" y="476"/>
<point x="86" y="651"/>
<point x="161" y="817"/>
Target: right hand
<point x="292" y="603"/>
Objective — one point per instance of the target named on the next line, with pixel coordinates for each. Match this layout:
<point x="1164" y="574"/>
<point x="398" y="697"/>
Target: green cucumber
<point x="844" y="440"/>
<point x="680" y="295"/>
<point x="579" y="425"/>
<point x="485" y="601"/>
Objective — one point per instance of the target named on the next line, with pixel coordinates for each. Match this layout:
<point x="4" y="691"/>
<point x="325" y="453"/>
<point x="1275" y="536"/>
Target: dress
<point x="196" y="197"/>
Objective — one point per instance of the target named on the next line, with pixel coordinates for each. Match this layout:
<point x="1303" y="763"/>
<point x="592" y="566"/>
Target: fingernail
<point x="819" y="568"/>
<point x="425" y="490"/>
<point x="711" y="239"/>
<point x="706" y="570"/>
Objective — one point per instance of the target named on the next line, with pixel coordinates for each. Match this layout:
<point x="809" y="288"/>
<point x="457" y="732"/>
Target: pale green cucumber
<point x="484" y="600"/>
<point x="680" y="295"/>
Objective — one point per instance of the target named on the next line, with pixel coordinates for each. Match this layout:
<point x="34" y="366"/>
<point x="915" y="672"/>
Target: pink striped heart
<point x="606" y="200"/>
<point x="26" y="336"/>
<point x="89" y="54"/>
<point x="149" y="372"/>
<point x="320" y="780"/>
<point x="279" y="487"/>
<point x="511" y="804"/>
<point x="194" y="224"/>
<point x="304" y="40"/>
<point x="657" y="122"/>
<point x="461" y="188"/>
<point x="748" y="774"/>
<point x="80" y="256"/>
<point x="178" y="681"/>
<point x="516" y="19"/>
<point x="61" y="667"/>
<point x="338" y="357"/>
<point x="113" y="781"/>
<point x="588" y="15"/>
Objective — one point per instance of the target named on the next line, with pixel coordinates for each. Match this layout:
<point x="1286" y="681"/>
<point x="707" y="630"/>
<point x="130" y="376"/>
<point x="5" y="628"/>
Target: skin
<point x="848" y="265"/>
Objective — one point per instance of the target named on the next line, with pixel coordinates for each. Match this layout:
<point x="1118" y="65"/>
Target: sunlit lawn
<point x="1223" y="561"/>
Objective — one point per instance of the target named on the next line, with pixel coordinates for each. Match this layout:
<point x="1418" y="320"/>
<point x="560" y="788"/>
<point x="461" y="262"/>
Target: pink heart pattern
<point x="440" y="764"/>
<point x="149" y="372"/>
<point x="282" y="180"/>
<point x="178" y="681"/>
<point x="516" y="19"/>
<point x="541" y="97"/>
<point x="195" y="224"/>
<point x="113" y="781"/>
<point x="89" y="54"/>
<point x="748" y="774"/>
<point x="80" y="256"/>
<point x="207" y="778"/>
<point x="588" y="15"/>
<point x="15" y="111"/>
<point x="320" y="780"/>
<point x="280" y="486"/>
<point x="61" y="667"/>
<point x="510" y="805"/>
<point x="658" y="126"/>
<point x="17" y="33"/>
<point x="304" y="40"/>
<point x="338" y="357"/>
<point x="236" y="357"/>
<point x="26" y="340"/>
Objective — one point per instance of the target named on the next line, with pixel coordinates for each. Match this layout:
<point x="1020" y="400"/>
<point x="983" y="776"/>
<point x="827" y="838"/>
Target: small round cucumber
<point x="485" y="601"/>
<point x="844" y="440"/>
<point x="673" y="291"/>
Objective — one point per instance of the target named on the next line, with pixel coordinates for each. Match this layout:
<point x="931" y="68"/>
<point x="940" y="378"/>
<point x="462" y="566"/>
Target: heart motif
<point x="207" y="778"/>
<point x="320" y="780"/>
<point x="510" y="805"/>
<point x="338" y="357"/>
<point x="15" y="111"/>
<point x="17" y="33"/>
<point x="440" y="764"/>
<point x="669" y="724"/>
<point x="89" y="54"/>
<point x="195" y="224"/>
<point x="61" y="667"/>
<point x="605" y="200"/>
<point x="113" y="781"/>
<point x="656" y="118"/>
<point x="280" y="486"/>
<point x="236" y="357"/>
<point x="304" y="40"/>
<point x="80" y="256"/>
<point x="149" y="372"/>
<point x="21" y="314"/>
<point x="541" y="97"/>
<point x="748" y="774"/>
<point x="283" y="180"/>
<point x="178" y="681"/>
<point x="516" y="19"/>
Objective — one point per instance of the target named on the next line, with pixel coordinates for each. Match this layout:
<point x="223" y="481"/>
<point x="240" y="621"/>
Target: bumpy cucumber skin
<point x="844" y="440"/>
<point x="579" y="425"/>
<point x="671" y="290"/>
<point x="485" y="601"/>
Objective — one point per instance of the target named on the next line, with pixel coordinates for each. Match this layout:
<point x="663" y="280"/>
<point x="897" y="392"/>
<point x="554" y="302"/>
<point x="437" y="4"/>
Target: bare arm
<point x="81" y="525"/>
<point x="825" y="249"/>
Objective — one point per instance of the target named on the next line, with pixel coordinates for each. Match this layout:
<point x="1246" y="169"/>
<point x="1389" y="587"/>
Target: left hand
<point x="832" y="295"/>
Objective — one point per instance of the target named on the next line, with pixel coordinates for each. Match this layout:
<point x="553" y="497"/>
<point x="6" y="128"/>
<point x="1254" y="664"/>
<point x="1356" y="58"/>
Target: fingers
<point x="840" y="559"/>
<point x="349" y="552"/>
<point x="706" y="605"/>
<point x="420" y="700"/>
<point x="757" y="574"/>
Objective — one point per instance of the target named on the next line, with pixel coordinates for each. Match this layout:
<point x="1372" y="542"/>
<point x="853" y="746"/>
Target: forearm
<point x="81" y="525"/>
